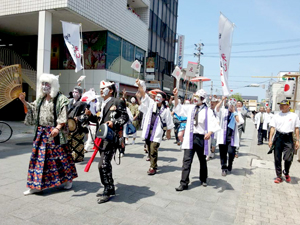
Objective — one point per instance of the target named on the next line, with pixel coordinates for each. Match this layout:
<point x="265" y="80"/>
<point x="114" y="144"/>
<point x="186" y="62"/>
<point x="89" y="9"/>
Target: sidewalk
<point x="247" y="196"/>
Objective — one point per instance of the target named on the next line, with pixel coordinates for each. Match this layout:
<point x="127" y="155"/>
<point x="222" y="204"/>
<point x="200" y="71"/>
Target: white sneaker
<point x="212" y="155"/>
<point x="121" y="155"/>
<point x="31" y="191"/>
<point x="207" y="158"/>
<point x="126" y="142"/>
<point x="133" y="142"/>
<point x="68" y="185"/>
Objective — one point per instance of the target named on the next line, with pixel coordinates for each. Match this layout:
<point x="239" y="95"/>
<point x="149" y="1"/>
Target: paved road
<point x="247" y="196"/>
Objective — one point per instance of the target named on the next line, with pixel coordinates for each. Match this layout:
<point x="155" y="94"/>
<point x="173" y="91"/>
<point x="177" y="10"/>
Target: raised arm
<point x="218" y="106"/>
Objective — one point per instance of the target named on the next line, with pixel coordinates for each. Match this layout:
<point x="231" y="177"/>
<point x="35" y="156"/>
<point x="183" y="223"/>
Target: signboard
<point x="150" y="65"/>
<point x="280" y="74"/>
<point x="191" y="69"/>
<point x="180" y="51"/>
<point x="150" y="77"/>
<point x="152" y="85"/>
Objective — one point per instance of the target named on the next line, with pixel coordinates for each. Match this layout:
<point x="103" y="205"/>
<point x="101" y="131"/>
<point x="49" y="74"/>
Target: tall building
<point x="161" y="44"/>
<point x="115" y="33"/>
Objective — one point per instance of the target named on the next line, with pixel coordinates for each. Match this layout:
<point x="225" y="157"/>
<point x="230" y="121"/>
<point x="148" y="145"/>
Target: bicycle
<point x="5" y="132"/>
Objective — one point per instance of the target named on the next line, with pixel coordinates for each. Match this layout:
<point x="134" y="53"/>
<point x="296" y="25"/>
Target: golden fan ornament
<point x="10" y="84"/>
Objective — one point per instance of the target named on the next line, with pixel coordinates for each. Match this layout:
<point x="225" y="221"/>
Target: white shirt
<point x="147" y="107"/>
<point x="187" y="111"/>
<point x="285" y="122"/>
<point x="102" y="107"/>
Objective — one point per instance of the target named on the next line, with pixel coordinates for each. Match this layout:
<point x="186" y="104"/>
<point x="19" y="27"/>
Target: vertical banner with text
<point x="72" y="39"/>
<point x="225" y="39"/>
<point x="180" y="51"/>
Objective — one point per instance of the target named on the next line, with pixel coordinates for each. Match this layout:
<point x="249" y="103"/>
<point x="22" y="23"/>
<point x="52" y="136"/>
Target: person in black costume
<point x="113" y="112"/>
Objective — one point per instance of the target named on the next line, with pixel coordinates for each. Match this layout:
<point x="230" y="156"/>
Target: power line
<point x="255" y="56"/>
<point x="253" y="43"/>
<point x="261" y="50"/>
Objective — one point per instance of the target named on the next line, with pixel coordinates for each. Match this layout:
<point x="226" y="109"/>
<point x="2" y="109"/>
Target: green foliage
<point x="237" y="96"/>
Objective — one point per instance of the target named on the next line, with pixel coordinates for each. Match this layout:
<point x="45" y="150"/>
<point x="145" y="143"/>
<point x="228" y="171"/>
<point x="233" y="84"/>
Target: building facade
<point x="115" y="33"/>
<point x="161" y="44"/>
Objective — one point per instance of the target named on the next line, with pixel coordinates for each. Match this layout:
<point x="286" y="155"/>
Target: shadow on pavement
<point x="25" y="143"/>
<point x="242" y="171"/>
<point x="167" y="159"/>
<point x="223" y="185"/>
<point x="175" y="149"/>
<point x="168" y="169"/>
<point x="241" y="154"/>
<point x="134" y="155"/>
<point x="295" y="180"/>
<point x="85" y="187"/>
<point x="140" y="193"/>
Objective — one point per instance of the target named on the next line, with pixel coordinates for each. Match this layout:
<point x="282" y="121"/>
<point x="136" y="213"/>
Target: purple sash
<point x="232" y="137"/>
<point x="206" y="131"/>
<point x="149" y="122"/>
<point x="156" y="122"/>
<point x="225" y="123"/>
<point x="192" y="130"/>
<point x="225" y="127"/>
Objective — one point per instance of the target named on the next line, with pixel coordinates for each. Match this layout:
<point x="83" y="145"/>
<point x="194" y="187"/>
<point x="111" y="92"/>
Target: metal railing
<point x="10" y="57"/>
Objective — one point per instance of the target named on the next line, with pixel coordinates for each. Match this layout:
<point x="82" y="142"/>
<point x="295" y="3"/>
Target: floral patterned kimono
<point x="51" y="162"/>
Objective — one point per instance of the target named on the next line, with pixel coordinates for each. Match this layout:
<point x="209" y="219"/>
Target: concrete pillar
<point x="44" y="44"/>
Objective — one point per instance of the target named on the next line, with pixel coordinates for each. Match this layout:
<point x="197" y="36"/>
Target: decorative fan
<point x="10" y="84"/>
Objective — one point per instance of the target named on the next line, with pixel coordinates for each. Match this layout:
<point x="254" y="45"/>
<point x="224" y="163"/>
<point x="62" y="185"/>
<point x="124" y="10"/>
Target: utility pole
<point x="198" y="48"/>
<point x="211" y="88"/>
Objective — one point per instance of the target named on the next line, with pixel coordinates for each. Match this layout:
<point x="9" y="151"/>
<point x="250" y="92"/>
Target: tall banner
<point x="180" y="51"/>
<point x="225" y="39"/>
<point x="71" y="34"/>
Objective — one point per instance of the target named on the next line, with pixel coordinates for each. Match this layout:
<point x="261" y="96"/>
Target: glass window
<point x="127" y="58"/>
<point x="113" y="52"/>
<point x="154" y="23"/>
<point x="159" y="27"/>
<point x="150" y="19"/>
<point x="140" y="55"/>
<point x="94" y="44"/>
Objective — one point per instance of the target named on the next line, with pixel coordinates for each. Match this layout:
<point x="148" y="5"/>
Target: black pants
<point x="105" y="168"/>
<point x="176" y="127"/>
<point x="224" y="150"/>
<point x="198" y="147"/>
<point x="260" y="134"/>
<point x="284" y="146"/>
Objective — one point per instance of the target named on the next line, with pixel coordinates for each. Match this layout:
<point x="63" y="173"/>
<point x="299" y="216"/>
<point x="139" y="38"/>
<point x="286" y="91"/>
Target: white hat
<point x="232" y="101"/>
<point x="51" y="79"/>
<point x="104" y="84"/>
<point x="201" y="93"/>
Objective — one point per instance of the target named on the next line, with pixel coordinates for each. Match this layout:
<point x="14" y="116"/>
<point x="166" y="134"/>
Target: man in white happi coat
<point x="228" y="137"/>
<point x="157" y="118"/>
<point x="268" y="118"/>
<point x="201" y="124"/>
<point x="261" y="125"/>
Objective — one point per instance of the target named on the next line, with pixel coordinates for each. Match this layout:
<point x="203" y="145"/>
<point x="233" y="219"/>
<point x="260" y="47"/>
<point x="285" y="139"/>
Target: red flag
<point x="97" y="144"/>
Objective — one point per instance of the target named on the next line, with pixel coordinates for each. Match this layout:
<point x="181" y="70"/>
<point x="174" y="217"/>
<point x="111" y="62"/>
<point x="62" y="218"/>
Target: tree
<point x="237" y="96"/>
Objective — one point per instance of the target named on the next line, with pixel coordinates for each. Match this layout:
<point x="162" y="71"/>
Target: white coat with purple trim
<point x="220" y="135"/>
<point x="188" y="111"/>
<point x="147" y="107"/>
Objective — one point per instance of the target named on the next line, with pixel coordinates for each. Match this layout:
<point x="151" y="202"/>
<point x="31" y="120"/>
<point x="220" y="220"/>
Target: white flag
<point x="136" y="65"/>
<point x="191" y="69"/>
<point x="225" y="39"/>
<point x="71" y="34"/>
<point x="177" y="74"/>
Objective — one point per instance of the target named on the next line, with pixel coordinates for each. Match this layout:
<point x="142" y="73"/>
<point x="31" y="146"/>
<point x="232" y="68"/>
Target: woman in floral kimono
<point x="51" y="162"/>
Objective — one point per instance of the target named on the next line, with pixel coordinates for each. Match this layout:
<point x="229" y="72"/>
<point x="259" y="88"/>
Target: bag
<point x="130" y="129"/>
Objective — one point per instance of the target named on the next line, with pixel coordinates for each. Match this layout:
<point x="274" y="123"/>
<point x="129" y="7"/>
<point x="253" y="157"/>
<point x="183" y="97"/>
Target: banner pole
<point x="82" y="54"/>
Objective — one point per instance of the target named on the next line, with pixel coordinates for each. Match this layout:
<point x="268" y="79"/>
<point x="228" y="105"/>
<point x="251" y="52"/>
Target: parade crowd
<point x="67" y="128"/>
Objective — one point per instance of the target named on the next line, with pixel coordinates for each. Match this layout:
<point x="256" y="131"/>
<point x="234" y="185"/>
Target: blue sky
<point x="265" y="27"/>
